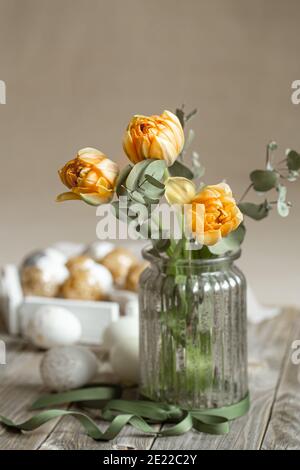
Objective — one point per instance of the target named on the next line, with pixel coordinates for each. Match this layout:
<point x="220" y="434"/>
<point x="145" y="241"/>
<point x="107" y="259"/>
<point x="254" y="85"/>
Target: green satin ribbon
<point x="138" y="413"/>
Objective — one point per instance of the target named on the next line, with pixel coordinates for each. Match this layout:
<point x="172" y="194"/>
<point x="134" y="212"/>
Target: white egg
<point x="68" y="367"/>
<point x="124" y="359"/>
<point x="52" y="326"/>
<point x="120" y="330"/>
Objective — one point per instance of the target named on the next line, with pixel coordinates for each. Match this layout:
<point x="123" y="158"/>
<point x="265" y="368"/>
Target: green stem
<point x="246" y="192"/>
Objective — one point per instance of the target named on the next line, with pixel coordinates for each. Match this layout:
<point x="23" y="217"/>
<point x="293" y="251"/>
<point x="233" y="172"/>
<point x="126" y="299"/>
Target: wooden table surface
<point x="273" y="421"/>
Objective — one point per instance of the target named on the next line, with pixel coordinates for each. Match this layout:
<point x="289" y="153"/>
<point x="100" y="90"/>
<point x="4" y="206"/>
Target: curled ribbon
<point x="138" y="413"/>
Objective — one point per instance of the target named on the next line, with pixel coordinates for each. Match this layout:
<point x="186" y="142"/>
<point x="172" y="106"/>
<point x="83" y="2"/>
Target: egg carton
<point x="17" y="309"/>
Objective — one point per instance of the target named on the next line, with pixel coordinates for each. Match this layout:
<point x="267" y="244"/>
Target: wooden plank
<point x="283" y="431"/>
<point x="68" y="434"/>
<point x="270" y="423"/>
<point x="13" y="345"/>
<point x="267" y="345"/>
<point x="20" y="384"/>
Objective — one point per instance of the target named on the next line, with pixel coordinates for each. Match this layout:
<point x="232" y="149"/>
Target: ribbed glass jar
<point x="193" y="332"/>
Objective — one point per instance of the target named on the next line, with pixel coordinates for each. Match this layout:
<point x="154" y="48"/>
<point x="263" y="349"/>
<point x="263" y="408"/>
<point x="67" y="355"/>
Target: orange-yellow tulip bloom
<point x="158" y="137"/>
<point x="90" y="176"/>
<point x="210" y="214"/>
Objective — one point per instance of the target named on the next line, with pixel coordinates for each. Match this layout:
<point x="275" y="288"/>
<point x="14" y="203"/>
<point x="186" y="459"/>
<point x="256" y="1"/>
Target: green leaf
<point x="137" y="196"/>
<point x="179" y="169"/>
<point x="282" y="206"/>
<point x="198" y="168"/>
<point x="255" y="211"/>
<point x="180" y="114"/>
<point x="156" y="169"/>
<point x="122" y="179"/>
<point x="144" y="181"/>
<point x="149" y="201"/>
<point x="133" y="178"/>
<point x="203" y="253"/>
<point x="123" y="213"/>
<point x="119" y="212"/>
<point x="293" y="176"/>
<point x="272" y="145"/>
<point x="154" y="182"/>
<point x="152" y="191"/>
<point x="293" y="160"/>
<point x="189" y="140"/>
<point x="230" y="243"/>
<point x="263" y="180"/>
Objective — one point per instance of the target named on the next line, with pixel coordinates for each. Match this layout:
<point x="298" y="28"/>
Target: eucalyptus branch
<point x="282" y="161"/>
<point x="246" y="192"/>
<point x="267" y="156"/>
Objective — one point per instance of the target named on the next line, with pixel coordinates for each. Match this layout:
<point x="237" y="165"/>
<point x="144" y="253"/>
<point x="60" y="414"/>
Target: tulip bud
<point x="158" y="137"/>
<point x="90" y="176"/>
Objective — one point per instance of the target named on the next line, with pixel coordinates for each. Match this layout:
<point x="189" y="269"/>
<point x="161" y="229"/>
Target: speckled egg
<point x="119" y="261"/>
<point x="68" y="367"/>
<point x="79" y="262"/>
<point x="43" y="272"/>
<point x="88" y="281"/>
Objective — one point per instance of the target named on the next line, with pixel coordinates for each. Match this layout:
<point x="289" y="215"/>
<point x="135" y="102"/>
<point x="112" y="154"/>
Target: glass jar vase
<point x="193" y="332"/>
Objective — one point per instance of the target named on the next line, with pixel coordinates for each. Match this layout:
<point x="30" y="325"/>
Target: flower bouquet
<point x="193" y="326"/>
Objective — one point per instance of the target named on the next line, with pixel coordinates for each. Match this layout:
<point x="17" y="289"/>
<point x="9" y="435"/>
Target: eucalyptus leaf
<point x="120" y="212"/>
<point x="293" y="160"/>
<point x="154" y="182"/>
<point x="180" y="114"/>
<point x="282" y="206"/>
<point x="203" y="253"/>
<point x="231" y="243"/>
<point x="156" y="169"/>
<point x="179" y="169"/>
<point x="150" y="201"/>
<point x="255" y="211"/>
<point x="133" y="178"/>
<point x="151" y="191"/>
<point x="198" y="168"/>
<point x="137" y="196"/>
<point x="293" y="176"/>
<point x="122" y="179"/>
<point x="263" y="180"/>
<point x="189" y="139"/>
<point x="272" y="145"/>
<point x="190" y="114"/>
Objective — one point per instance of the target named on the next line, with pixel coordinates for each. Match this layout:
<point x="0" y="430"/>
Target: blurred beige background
<point x="76" y="70"/>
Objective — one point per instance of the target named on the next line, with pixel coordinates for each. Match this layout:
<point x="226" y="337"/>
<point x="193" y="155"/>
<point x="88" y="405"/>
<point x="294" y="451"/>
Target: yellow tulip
<point x="90" y="176"/>
<point x="211" y="214"/>
<point x="158" y="137"/>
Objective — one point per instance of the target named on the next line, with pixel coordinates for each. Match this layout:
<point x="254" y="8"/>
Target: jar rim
<point x="227" y="257"/>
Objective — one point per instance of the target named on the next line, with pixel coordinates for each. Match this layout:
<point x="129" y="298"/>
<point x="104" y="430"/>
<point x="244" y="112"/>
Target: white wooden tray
<point x="17" y="309"/>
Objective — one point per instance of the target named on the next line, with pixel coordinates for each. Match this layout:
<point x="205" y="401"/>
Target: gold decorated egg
<point x="119" y="261"/>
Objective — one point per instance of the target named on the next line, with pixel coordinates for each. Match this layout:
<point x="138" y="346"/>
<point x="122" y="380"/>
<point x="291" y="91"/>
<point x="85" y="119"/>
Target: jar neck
<point x="190" y="265"/>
